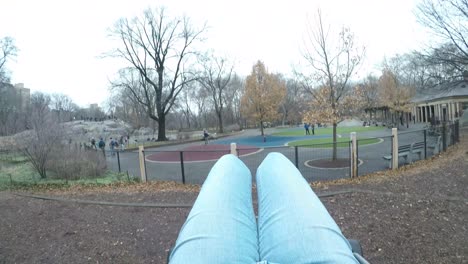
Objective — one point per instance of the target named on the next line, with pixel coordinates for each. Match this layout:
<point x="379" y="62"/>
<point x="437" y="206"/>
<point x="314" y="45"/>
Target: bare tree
<point x="7" y="108"/>
<point x="448" y="19"/>
<point x="8" y="50"/>
<point x="40" y="109"/>
<point x="126" y="92"/>
<point x="332" y="65"/>
<point x="235" y="92"/>
<point x="293" y="103"/>
<point x="157" y="48"/>
<point x="183" y="105"/>
<point x="63" y="106"/>
<point x="200" y="97"/>
<point x="370" y="94"/>
<point x="215" y="78"/>
<point x="45" y="133"/>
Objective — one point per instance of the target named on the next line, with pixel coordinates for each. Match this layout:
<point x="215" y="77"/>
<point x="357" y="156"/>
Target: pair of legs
<point x="293" y="225"/>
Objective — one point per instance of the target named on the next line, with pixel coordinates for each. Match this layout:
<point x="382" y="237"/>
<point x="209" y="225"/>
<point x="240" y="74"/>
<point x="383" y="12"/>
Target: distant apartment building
<point x="15" y="96"/>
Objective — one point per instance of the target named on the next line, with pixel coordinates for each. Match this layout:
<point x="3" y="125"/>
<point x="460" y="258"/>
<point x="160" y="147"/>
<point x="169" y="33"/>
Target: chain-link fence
<point x="10" y="155"/>
<point x="371" y="152"/>
<point x="317" y="162"/>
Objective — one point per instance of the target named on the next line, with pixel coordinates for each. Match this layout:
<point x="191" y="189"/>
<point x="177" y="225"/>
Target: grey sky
<point x="60" y="41"/>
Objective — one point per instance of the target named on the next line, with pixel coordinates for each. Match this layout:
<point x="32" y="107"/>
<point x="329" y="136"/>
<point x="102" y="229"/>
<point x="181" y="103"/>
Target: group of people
<point x="114" y="144"/>
<point x="309" y="127"/>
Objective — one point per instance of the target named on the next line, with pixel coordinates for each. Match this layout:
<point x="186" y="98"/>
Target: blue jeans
<point x="293" y="225"/>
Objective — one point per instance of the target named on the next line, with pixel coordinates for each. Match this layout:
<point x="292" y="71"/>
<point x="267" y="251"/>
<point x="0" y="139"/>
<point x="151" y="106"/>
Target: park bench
<point x="406" y="152"/>
<point x="435" y="145"/>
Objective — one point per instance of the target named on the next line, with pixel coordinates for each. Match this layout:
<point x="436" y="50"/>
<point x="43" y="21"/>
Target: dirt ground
<point x="418" y="214"/>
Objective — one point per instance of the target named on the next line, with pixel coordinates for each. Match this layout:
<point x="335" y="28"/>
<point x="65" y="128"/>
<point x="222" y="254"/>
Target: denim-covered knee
<point x="293" y="224"/>
<point x="221" y="227"/>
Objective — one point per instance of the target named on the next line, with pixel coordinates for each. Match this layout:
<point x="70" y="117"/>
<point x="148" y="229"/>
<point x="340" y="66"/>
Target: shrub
<point x="183" y="135"/>
<point x="70" y="163"/>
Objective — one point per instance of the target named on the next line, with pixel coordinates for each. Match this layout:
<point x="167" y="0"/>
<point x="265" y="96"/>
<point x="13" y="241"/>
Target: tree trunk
<point x="334" y="142"/>
<point x="162" y="128"/>
<point x="220" y="122"/>
<point x="407" y="120"/>
<point x="261" y="128"/>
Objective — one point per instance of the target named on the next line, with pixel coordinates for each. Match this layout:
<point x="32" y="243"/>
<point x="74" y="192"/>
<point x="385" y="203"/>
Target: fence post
<point x="425" y="144"/>
<point x="118" y="160"/>
<point x="234" y="149"/>
<point x="444" y="136"/>
<point x="296" y="157"/>
<point x="353" y="157"/>
<point x="141" y="155"/>
<point x="394" y="148"/>
<point x="182" y="166"/>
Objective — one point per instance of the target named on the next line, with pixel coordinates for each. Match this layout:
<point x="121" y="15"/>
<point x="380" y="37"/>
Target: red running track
<point x="199" y="153"/>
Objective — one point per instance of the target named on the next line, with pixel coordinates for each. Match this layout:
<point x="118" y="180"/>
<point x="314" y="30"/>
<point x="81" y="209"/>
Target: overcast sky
<point x="61" y="42"/>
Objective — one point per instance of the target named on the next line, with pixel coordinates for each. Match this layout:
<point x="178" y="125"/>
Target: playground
<point x="190" y="162"/>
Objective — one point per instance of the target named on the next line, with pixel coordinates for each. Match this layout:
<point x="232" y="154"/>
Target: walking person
<point x="313" y="129"/>
<point x="112" y="146"/>
<point x="93" y="143"/>
<point x="205" y="136"/>
<point x="306" y="127"/>
<point x="102" y="146"/>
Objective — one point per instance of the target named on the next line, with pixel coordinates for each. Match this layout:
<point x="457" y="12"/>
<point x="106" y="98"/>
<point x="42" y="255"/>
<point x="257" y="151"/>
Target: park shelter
<point x="444" y="102"/>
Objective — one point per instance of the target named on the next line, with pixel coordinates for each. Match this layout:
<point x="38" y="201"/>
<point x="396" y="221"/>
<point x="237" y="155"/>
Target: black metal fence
<point x="312" y="160"/>
<point x="370" y="152"/>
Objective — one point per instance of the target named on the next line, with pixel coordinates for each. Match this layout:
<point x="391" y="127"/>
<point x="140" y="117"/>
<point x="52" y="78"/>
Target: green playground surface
<point x="327" y="131"/>
<point x="327" y="142"/>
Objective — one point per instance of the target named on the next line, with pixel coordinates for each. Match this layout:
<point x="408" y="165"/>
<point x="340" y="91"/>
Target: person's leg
<point x="293" y="225"/>
<point x="221" y="226"/>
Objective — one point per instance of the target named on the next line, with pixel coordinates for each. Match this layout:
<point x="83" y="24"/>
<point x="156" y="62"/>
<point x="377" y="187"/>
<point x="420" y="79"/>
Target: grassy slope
<point x="20" y="174"/>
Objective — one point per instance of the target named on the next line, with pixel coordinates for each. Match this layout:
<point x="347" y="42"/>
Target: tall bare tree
<point x="200" y="97"/>
<point x="332" y="61"/>
<point x="8" y="51"/>
<point x="264" y="93"/>
<point x="157" y="47"/>
<point x="370" y="94"/>
<point x="215" y="78"/>
<point x="448" y="19"/>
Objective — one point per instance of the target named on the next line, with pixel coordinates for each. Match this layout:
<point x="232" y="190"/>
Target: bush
<point x="70" y="164"/>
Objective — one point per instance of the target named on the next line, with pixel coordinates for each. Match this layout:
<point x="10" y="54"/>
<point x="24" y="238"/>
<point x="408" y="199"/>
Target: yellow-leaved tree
<point x="324" y="111"/>
<point x="394" y="95"/>
<point x="263" y="95"/>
